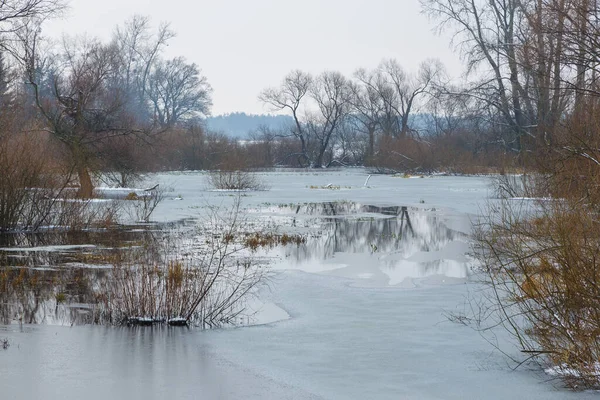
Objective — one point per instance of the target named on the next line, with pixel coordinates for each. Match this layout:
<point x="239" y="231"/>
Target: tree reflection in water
<point x="54" y="277"/>
<point x="395" y="233"/>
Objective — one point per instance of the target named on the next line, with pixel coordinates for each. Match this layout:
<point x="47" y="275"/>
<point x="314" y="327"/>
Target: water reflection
<point x="367" y="240"/>
<point x="146" y="274"/>
<point x="52" y="249"/>
<point x="136" y="363"/>
<point x="40" y="296"/>
<point x="53" y="277"/>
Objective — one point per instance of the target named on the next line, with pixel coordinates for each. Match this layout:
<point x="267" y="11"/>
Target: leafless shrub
<point x="121" y="160"/>
<point x="207" y="286"/>
<point x="123" y="178"/>
<point x="78" y="214"/>
<point x="520" y="185"/>
<point x="34" y="188"/>
<point x="142" y="205"/>
<point x="235" y="180"/>
<point x="22" y="169"/>
<point x="541" y="264"/>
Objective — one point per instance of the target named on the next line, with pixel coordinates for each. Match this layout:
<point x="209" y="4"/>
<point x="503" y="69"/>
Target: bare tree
<point x="177" y="92"/>
<point x="401" y="91"/>
<point x="7" y="77"/>
<point x="318" y="107"/>
<point x="331" y="93"/>
<point x="367" y="106"/>
<point x="139" y="51"/>
<point x="289" y="96"/>
<point x="515" y="49"/>
<point x="537" y="65"/>
<point x="87" y="91"/>
<point x="351" y="144"/>
<point x="14" y="14"/>
<point x="81" y="108"/>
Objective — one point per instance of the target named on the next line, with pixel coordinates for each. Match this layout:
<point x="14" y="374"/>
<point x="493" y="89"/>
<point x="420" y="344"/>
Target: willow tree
<point x="87" y="91"/>
<point x="73" y="93"/>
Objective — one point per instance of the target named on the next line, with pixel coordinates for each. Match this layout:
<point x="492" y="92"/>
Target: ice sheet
<point x="360" y="325"/>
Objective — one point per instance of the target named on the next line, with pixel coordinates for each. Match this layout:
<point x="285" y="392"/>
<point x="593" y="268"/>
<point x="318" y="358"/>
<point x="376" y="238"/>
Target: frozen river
<point x="359" y="313"/>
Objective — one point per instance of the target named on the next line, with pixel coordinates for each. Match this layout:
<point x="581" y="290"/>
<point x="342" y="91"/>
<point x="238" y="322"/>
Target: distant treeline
<point x="240" y="124"/>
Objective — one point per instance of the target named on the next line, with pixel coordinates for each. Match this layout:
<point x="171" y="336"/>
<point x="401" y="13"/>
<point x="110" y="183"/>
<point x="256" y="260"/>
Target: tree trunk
<point x="86" y="188"/>
<point x="371" y="149"/>
<point x="404" y="126"/>
<point x="319" y="161"/>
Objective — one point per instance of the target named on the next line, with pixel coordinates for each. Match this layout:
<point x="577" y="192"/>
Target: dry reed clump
<point x="270" y="240"/>
<point x="329" y="187"/>
<point x="543" y="266"/>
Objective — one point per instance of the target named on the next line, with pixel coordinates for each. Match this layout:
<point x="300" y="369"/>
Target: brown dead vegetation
<point x="542" y="257"/>
<point x="270" y="240"/>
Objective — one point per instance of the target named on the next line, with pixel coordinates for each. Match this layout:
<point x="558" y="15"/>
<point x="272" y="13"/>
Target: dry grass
<point x="31" y="295"/>
<point x="270" y="240"/>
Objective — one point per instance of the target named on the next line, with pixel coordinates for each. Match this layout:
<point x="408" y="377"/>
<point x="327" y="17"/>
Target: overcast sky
<point x="244" y="46"/>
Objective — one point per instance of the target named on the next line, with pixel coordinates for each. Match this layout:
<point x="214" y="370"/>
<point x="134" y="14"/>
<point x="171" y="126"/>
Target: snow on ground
<point x="358" y="325"/>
